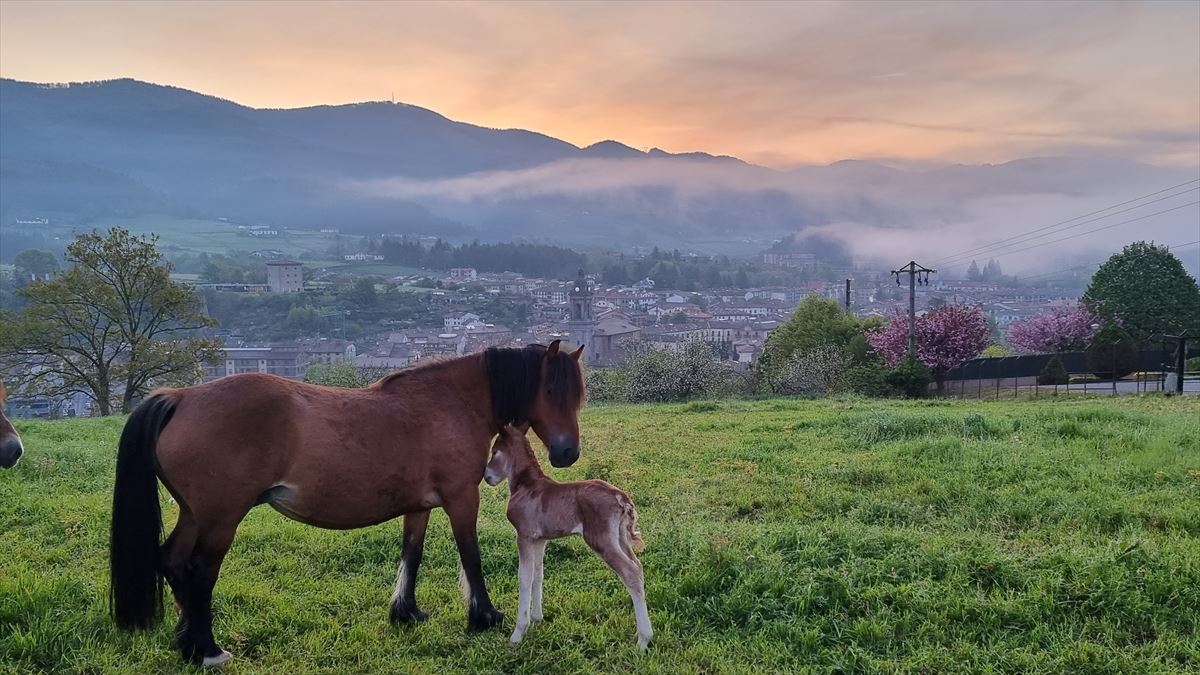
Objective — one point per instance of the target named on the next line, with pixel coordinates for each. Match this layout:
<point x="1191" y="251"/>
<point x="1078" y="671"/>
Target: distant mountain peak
<point x="610" y="149"/>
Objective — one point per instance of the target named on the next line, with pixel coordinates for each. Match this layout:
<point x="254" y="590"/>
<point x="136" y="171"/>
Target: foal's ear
<point x="552" y="350"/>
<point x="577" y="353"/>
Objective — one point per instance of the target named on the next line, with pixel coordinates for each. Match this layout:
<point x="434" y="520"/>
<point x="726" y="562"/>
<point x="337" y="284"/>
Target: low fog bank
<point x="877" y="212"/>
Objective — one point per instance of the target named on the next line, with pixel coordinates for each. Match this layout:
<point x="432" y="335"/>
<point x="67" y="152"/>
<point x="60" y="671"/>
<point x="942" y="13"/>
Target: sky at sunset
<point x="774" y="83"/>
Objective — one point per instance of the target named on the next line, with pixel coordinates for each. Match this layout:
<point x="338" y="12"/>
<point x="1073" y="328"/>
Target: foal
<point x="542" y="509"/>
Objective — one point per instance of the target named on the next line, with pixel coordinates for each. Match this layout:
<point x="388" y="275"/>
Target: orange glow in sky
<point x="774" y="83"/>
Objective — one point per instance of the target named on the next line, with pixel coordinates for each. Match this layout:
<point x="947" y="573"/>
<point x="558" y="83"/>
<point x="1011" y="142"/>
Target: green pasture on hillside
<point x="1053" y="535"/>
<point x="195" y="236"/>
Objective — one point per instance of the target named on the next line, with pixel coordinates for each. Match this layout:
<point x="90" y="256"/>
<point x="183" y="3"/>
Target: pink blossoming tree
<point x="1061" y="329"/>
<point x="946" y="337"/>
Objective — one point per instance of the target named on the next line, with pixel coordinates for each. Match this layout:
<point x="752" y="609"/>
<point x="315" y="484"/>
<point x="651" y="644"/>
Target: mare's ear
<point x="577" y="353"/>
<point x="552" y="350"/>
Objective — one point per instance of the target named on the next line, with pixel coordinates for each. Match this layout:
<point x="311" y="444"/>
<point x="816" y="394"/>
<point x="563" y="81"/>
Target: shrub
<point x="816" y="372"/>
<point x="657" y="375"/>
<point x="994" y="351"/>
<point x="1192" y="365"/>
<point x="1112" y="353"/>
<point x="334" y="375"/>
<point x="605" y="385"/>
<point x="869" y="379"/>
<point x="1054" y="372"/>
<point x="910" y="377"/>
<point x="734" y="383"/>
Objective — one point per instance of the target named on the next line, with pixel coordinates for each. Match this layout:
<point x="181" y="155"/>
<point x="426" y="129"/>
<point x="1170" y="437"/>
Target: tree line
<point x="673" y="270"/>
<point x="668" y="269"/>
<point x="535" y="260"/>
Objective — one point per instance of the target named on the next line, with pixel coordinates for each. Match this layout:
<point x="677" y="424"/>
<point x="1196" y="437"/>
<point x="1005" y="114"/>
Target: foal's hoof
<point x="484" y="619"/>
<point x="406" y="614"/>
<point x="216" y="661"/>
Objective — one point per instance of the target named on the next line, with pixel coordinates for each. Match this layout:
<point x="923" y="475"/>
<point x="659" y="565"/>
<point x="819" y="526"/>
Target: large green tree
<point x="112" y="326"/>
<point x="1146" y="291"/>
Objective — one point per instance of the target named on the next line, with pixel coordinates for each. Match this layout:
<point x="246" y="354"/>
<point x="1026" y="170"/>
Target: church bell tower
<point x="582" y="322"/>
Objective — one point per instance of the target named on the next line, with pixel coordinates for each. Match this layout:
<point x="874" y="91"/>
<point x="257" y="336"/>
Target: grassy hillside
<point x="1027" y="536"/>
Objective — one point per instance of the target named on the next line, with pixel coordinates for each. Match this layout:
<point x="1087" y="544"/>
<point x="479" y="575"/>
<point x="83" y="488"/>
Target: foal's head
<point x="510" y="454"/>
<point x="10" y="443"/>
<point x="539" y="387"/>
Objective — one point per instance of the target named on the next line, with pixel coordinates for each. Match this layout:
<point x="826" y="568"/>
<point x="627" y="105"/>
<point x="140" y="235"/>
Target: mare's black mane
<point x="514" y="374"/>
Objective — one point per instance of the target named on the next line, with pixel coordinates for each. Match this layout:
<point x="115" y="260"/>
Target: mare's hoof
<point x="407" y="614"/>
<point x="484" y="619"/>
<point x="216" y="661"/>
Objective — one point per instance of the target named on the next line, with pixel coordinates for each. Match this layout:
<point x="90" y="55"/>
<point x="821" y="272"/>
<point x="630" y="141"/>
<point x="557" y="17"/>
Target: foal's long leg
<point x="404" y="599"/>
<point x="526" y="573"/>
<point x="629" y="569"/>
<point x="539" y="554"/>
<point x="463" y="510"/>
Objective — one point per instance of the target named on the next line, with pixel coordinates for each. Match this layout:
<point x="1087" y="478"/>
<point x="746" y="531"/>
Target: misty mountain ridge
<point x="120" y="148"/>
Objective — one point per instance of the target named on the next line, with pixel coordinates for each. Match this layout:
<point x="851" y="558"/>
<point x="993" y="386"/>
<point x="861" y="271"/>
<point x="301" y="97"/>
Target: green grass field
<point x="1056" y="536"/>
<point x="194" y="236"/>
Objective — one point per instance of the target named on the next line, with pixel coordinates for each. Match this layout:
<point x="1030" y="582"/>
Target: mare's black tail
<point x="135" y="596"/>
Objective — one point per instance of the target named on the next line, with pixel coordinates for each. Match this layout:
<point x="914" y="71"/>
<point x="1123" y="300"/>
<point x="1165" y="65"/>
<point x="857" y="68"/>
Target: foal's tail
<point x="630" y="537"/>
<point x="135" y="596"/>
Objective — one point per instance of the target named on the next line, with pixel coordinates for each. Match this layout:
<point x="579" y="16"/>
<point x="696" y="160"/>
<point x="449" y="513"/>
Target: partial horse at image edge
<point x="334" y="458"/>
<point x="11" y="448"/>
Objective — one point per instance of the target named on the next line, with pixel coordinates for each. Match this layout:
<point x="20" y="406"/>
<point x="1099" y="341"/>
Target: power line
<point x="1064" y="222"/>
<point x="958" y="259"/>
<point x="1087" y="232"/>
<point x="1091" y="264"/>
<point x="1069" y="220"/>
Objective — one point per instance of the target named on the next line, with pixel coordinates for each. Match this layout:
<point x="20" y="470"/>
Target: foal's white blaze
<point x="578" y="529"/>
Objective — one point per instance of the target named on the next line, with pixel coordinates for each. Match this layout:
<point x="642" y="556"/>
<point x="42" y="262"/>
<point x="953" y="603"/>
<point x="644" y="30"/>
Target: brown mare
<point x="333" y="458"/>
<point x="10" y="442"/>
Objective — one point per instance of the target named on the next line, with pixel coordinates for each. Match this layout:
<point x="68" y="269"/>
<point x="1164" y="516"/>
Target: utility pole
<point x="917" y="274"/>
<point x="848" y="294"/>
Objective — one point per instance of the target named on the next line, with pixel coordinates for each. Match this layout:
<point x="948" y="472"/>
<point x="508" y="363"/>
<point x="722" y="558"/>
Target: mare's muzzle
<point x="563" y="453"/>
<point x="10" y="452"/>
